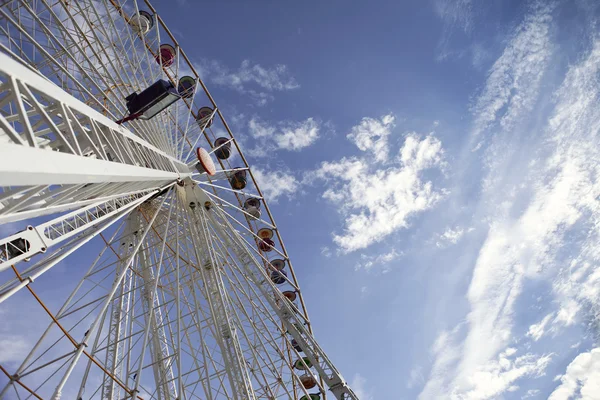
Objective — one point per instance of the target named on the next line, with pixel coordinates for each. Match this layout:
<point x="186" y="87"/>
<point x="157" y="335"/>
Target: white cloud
<point x="531" y="208"/>
<point x="515" y="78"/>
<point x="252" y="79"/>
<point x="536" y="331"/>
<point x="358" y="387"/>
<point x="513" y="250"/>
<point x="296" y="136"/>
<point x="421" y="154"/>
<point x="576" y="127"/>
<point x="578" y="292"/>
<point x="380" y="261"/>
<point x="286" y="135"/>
<point x="497" y="376"/>
<point x="451" y="236"/>
<point x="326" y="251"/>
<point x="260" y="129"/>
<point x="486" y="381"/>
<point x="445" y="352"/>
<point x="582" y="378"/>
<point x="275" y="183"/>
<point x="274" y="78"/>
<point x="372" y="135"/>
<point x="377" y="202"/>
<point x="530" y="393"/>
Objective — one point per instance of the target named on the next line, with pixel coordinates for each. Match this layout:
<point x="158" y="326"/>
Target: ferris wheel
<point x="110" y="142"/>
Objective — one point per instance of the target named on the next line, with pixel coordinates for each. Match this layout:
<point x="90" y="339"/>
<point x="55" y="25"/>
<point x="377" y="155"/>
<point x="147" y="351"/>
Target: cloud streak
<point x="514" y="80"/>
<point x="380" y="261"/>
<point x="251" y="79"/>
<point x="533" y="198"/>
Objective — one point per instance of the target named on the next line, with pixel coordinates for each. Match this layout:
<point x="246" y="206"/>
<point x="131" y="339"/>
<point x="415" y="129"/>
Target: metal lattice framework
<point x="185" y="289"/>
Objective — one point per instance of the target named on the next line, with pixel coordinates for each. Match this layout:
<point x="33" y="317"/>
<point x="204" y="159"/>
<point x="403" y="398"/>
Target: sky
<point x="433" y="169"/>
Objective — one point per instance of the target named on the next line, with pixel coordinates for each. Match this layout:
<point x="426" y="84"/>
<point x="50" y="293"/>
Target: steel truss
<point x="180" y="301"/>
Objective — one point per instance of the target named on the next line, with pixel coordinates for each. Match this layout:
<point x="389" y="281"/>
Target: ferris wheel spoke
<point x="246" y="215"/>
<point x="65" y="198"/>
<point x="168" y="323"/>
<point x="29" y="366"/>
<point x="204" y="126"/>
<point x="55" y="53"/>
<point x="211" y="334"/>
<point x="222" y="188"/>
<point x="254" y="312"/>
<point x="278" y="353"/>
<point x="227" y="335"/>
<point x="206" y="368"/>
<point x="179" y="144"/>
<point x="120" y="64"/>
<point x="153" y="72"/>
<point x="296" y="329"/>
<point x="277" y="349"/>
<point x="250" y="232"/>
<point x="243" y="322"/>
<point x="264" y="315"/>
<point x="61" y="313"/>
<point x="117" y="295"/>
<point x="255" y="252"/>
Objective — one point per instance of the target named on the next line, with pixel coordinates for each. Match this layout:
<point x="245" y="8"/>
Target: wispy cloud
<point x="358" y="385"/>
<point x="451" y="236"/>
<point x="514" y="80"/>
<point x="252" y="79"/>
<point x="455" y="13"/>
<point x="536" y="331"/>
<point x="376" y="201"/>
<point x="486" y="381"/>
<point x="380" y="261"/>
<point x="284" y="135"/>
<point x="456" y="16"/>
<point x="415" y="377"/>
<point x="531" y="208"/>
<point x="501" y="375"/>
<point x="531" y="393"/>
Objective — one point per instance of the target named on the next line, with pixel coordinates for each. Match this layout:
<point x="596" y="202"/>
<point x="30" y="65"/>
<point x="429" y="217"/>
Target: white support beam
<point x="46" y="167"/>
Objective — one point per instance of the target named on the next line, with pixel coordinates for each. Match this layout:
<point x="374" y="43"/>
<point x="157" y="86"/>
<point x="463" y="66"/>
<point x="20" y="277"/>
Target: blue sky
<point x="433" y="169"/>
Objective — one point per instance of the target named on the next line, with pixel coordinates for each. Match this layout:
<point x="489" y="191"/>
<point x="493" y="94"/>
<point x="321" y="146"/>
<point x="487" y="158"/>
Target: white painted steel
<point x="174" y="299"/>
<point x="63" y="169"/>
